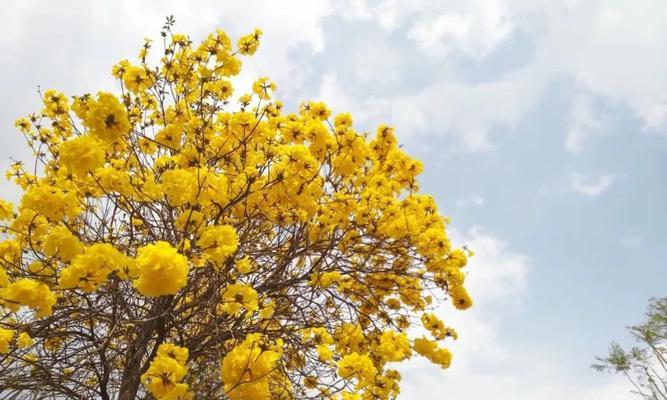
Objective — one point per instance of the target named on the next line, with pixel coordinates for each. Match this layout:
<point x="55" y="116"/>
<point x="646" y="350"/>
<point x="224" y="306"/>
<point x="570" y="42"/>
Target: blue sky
<point x="542" y="127"/>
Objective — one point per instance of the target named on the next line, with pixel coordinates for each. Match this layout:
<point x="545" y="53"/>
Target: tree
<point x="645" y="366"/>
<point x="174" y="241"/>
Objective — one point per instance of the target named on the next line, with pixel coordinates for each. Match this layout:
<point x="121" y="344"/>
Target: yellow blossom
<point x="264" y="88"/>
<point x="90" y="269"/>
<point x="218" y="242"/>
<point x="62" y="244"/>
<point x="239" y="296"/>
<point x="162" y="271"/>
<point x="107" y="118"/>
<point x="430" y="350"/>
<point x="24" y="340"/>
<point x="166" y="371"/>
<point x="31" y="293"/>
<point x="250" y="367"/>
<point x="52" y="202"/>
<point x="248" y="44"/>
<point x="136" y="78"/>
<point x="6" y="336"/>
<point x="357" y="366"/>
<point x="82" y="154"/>
<point x="5" y="210"/>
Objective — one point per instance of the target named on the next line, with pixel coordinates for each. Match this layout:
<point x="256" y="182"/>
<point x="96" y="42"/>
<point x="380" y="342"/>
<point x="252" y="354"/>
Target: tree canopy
<point x="175" y="240"/>
<point x="645" y="365"/>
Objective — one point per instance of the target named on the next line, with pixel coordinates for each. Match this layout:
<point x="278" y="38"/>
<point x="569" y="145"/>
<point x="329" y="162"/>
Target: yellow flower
<point x="6" y="210"/>
<point x="180" y="186"/>
<point x="343" y="121"/>
<point x="10" y="251"/>
<point x="264" y="88"/>
<point x="394" y="346"/>
<point x="430" y="350"/>
<point x="55" y="102"/>
<point x="136" y="79"/>
<point x="162" y="270"/>
<point x="248" y="44"/>
<point x="51" y="202"/>
<point x="178" y="353"/>
<point x="170" y="136"/>
<point x="107" y="118"/>
<point x="239" y="296"/>
<point x="218" y="242"/>
<point x="357" y="366"/>
<point x="6" y="336"/>
<point x="31" y="293"/>
<point x="244" y="265"/>
<point x="62" y="244"/>
<point x="82" y="154"/>
<point x="89" y="270"/>
<point x="24" y="340"/>
<point x="250" y="368"/>
<point x="119" y="69"/>
<point x="166" y="371"/>
<point x="23" y="124"/>
<point x="318" y="110"/>
<point x="460" y="297"/>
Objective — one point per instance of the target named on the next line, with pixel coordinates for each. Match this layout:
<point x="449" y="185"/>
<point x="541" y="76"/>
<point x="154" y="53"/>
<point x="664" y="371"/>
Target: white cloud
<point x="614" y="48"/>
<point x="474" y="200"/>
<point x="466" y="111"/>
<point x="368" y="111"/>
<point x="584" y="124"/>
<point x="446" y="108"/>
<point x="609" y="49"/>
<point x="586" y="41"/>
<point x="591" y="186"/>
<point x="496" y="276"/>
<point x="484" y="365"/>
<point x="476" y="30"/>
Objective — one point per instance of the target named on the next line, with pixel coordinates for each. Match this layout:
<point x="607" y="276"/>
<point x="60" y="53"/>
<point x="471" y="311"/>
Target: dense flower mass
<point x="179" y="239"/>
<point x="165" y="373"/>
<point x="161" y="270"/>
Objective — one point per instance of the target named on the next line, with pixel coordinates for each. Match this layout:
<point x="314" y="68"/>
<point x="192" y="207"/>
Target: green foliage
<point x="644" y="365"/>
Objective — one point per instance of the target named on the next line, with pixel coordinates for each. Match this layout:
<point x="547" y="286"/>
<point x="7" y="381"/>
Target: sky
<point x="542" y="127"/>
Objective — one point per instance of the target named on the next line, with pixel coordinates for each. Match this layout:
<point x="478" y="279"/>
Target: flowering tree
<point x="174" y="241"/>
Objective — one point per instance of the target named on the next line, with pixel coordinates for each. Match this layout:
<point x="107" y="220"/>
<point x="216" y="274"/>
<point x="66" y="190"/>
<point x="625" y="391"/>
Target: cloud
<point x="474" y="200"/>
<point x="612" y="48"/>
<point x="583" y="41"/>
<point x="585" y="123"/>
<point x="586" y="44"/>
<point x="464" y="112"/>
<point x="485" y="365"/>
<point x="475" y="30"/>
<point x="591" y="187"/>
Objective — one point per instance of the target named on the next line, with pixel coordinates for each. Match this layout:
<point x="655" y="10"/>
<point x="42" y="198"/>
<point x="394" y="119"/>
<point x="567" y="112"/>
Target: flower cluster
<point x="160" y="269"/>
<point x="249" y="371"/>
<point x="165" y="373"/>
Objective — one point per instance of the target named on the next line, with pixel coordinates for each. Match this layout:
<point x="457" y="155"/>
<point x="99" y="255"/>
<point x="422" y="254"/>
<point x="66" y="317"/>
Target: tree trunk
<point x="134" y="361"/>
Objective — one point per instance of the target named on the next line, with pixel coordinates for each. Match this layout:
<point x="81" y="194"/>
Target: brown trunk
<point x="134" y="361"/>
